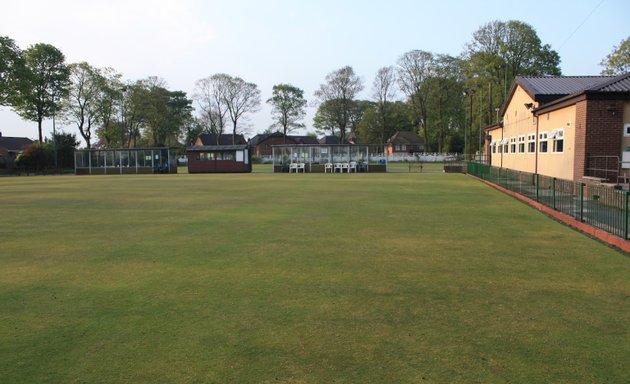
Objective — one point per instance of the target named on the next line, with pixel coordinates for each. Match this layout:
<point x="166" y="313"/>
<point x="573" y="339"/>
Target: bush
<point x="36" y="157"/>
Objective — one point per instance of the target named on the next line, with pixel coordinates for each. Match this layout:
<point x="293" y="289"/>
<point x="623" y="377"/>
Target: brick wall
<point x="598" y="131"/>
<point x="579" y="162"/>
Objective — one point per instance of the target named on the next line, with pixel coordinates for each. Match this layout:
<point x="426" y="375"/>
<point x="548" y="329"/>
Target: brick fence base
<point x="610" y="239"/>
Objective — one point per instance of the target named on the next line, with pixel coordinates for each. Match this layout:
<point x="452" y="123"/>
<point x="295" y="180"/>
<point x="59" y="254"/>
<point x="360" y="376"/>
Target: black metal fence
<point x="599" y="206"/>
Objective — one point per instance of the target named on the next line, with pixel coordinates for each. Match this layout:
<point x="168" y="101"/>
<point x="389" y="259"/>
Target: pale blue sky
<point x="297" y="42"/>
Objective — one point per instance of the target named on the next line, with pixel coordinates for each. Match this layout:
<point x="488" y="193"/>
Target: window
<point x="542" y="142"/>
<point x="521" y="144"/>
<point x="512" y="144"/>
<point x="557" y="135"/>
<point x="531" y="143"/>
<point x="626" y="130"/>
<point x="494" y="147"/>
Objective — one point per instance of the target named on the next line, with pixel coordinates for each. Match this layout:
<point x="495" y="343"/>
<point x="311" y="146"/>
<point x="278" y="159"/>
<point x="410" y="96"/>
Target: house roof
<point x="619" y="83"/>
<point x="224" y="139"/>
<point x="405" y="137"/>
<point x="305" y="139"/>
<point x="545" y="87"/>
<point x="254" y="141"/>
<point x="331" y="140"/>
<point x="14" y="144"/>
<point x="211" y="148"/>
<point x="548" y="89"/>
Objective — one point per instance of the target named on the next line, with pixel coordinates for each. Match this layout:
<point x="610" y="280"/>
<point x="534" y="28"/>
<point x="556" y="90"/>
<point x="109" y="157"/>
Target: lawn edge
<point x="608" y="238"/>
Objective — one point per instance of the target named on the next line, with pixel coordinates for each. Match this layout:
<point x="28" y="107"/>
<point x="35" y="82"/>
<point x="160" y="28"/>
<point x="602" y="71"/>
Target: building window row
<point x="556" y="137"/>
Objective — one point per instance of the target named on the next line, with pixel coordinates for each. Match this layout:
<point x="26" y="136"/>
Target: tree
<point x="414" y="70"/>
<point x="35" y="157"/>
<point x="331" y="116"/>
<point x="336" y="101"/>
<point x="109" y="104"/>
<point x="498" y="52"/>
<point x="240" y="98"/>
<point x="10" y="65"/>
<point x="163" y="112"/>
<point x="81" y="106"/>
<point x="64" y="144"/>
<point x="399" y="118"/>
<point x="209" y="94"/>
<point x="288" y="108"/>
<point x="42" y="83"/>
<point x="383" y="90"/>
<point x="445" y="107"/>
<point x="618" y="61"/>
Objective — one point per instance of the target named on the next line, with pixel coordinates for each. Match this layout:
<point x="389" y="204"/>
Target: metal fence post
<point x="553" y="189"/>
<point x="582" y="185"/>
<point x="537" y="188"/>
<point x="625" y="216"/>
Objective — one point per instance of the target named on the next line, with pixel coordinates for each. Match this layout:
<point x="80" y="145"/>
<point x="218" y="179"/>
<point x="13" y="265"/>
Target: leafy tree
<point x="10" y="65"/>
<point x="445" y="107"/>
<point x="288" y="108"/>
<point x="415" y="68"/>
<point x="64" y="144"/>
<point x="192" y="128"/>
<point x="498" y="52"/>
<point x="400" y="118"/>
<point x="43" y="82"/>
<point x="81" y="106"/>
<point x="618" y="61"/>
<point x="336" y="97"/>
<point x="163" y="112"/>
<point x="331" y="115"/>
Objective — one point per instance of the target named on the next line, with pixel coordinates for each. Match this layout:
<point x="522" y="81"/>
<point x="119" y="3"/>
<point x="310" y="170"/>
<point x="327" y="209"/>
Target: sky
<point x="298" y="42"/>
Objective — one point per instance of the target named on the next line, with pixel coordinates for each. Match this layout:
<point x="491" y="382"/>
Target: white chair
<point x="293" y="167"/>
<point x="327" y="167"/>
<point x="352" y="166"/>
<point x="338" y="167"/>
<point x="345" y="166"/>
<point x="301" y="166"/>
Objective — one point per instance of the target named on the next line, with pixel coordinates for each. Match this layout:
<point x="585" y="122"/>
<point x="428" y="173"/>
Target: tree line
<point x="447" y="100"/>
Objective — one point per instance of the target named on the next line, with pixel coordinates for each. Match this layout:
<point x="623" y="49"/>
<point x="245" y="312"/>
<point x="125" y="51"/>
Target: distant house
<point x="569" y="127"/>
<point x="332" y="140"/>
<point x="223" y="139"/>
<point x="404" y="142"/>
<point x="261" y="144"/>
<point x="10" y="147"/>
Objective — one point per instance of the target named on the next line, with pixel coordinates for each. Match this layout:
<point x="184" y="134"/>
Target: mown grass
<point x="300" y="278"/>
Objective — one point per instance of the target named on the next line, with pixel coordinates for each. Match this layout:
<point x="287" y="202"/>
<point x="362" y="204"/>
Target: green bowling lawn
<point x="277" y="278"/>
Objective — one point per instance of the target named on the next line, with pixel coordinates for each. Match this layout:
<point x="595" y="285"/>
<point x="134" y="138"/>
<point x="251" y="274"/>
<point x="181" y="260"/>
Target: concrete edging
<point x="608" y="238"/>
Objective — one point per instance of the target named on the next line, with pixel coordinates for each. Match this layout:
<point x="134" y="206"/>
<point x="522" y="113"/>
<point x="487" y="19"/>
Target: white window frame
<point x="543" y="137"/>
<point x="531" y="138"/>
<point x="558" y="135"/>
<point x="512" y="144"/>
<point x="521" y="141"/>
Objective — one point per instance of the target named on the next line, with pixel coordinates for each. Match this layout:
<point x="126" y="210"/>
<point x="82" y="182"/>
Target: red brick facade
<point x="598" y="131"/>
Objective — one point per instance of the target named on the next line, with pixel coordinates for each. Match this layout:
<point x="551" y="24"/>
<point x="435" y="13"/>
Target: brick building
<point x="261" y="144"/>
<point x="569" y="127"/>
